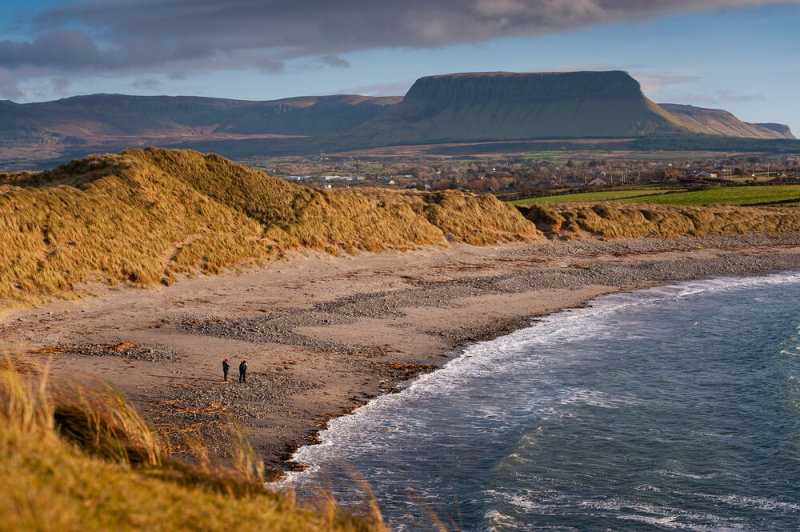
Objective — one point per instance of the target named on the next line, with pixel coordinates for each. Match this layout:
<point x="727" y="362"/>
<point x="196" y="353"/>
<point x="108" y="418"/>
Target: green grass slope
<point x="748" y="195"/>
<point x="143" y="216"/>
<point x="752" y="196"/>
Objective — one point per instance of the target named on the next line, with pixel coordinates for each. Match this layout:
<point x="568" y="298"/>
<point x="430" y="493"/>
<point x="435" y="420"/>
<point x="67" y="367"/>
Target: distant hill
<point x="511" y="106"/>
<point x="782" y="129"/>
<point x="455" y="108"/>
<point x="75" y="127"/>
<point x="115" y="114"/>
<point x="722" y="123"/>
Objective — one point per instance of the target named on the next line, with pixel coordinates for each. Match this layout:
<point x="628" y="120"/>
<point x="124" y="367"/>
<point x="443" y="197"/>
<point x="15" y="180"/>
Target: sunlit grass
<point x="616" y="220"/>
<point x="83" y="459"/>
<point x="148" y="216"/>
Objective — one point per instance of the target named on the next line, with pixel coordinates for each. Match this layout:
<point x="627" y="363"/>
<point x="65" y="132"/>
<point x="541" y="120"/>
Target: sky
<point x="738" y="55"/>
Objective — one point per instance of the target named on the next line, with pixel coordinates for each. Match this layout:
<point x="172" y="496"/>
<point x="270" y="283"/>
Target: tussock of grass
<point x="144" y="216"/>
<point x="615" y="220"/>
<point x="101" y="421"/>
<point x="67" y="463"/>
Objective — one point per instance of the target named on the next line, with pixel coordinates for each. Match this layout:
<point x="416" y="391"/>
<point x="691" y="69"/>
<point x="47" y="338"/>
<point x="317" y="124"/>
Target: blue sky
<point x="737" y="55"/>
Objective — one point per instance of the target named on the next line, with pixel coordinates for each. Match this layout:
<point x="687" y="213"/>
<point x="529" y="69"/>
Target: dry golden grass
<point x="83" y="459"/>
<point x="144" y="216"/>
<point x="614" y="220"/>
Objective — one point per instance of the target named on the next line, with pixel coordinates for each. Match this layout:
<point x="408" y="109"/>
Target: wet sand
<point x="323" y="334"/>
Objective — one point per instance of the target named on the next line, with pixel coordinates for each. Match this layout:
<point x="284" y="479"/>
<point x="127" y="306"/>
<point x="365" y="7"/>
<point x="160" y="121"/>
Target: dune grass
<point x="618" y="220"/>
<point x="78" y="458"/>
<point x="146" y="216"/>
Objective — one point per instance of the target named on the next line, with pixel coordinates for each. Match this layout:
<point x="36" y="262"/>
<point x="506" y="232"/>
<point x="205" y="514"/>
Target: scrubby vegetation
<point x="78" y="458"/>
<point x="617" y="220"/>
<point x="144" y="216"/>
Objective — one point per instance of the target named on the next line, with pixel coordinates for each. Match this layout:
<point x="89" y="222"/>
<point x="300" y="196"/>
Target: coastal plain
<point x="324" y="334"/>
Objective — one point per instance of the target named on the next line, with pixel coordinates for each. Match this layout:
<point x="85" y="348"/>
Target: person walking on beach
<point x="225" y="368"/>
<point x="243" y="371"/>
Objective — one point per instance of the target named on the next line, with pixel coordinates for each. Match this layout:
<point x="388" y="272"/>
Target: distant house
<point x="598" y="182"/>
<point x="702" y="175"/>
<point x="343" y="177"/>
<point x="573" y="181"/>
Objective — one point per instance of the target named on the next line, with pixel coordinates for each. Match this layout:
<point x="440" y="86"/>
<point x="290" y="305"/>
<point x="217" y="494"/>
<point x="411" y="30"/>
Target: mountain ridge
<point x="512" y="106"/>
<point x="724" y="123"/>
<point x="462" y="107"/>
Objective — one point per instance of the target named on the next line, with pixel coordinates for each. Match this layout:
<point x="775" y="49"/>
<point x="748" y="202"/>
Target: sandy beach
<point x="322" y="334"/>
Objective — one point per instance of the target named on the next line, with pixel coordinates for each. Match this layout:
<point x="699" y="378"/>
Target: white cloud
<point x="390" y="88"/>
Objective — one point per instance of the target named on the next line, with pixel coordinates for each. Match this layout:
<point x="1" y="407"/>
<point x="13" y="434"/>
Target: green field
<point x="763" y="195"/>
<point x="776" y="194"/>
<point x="639" y="195"/>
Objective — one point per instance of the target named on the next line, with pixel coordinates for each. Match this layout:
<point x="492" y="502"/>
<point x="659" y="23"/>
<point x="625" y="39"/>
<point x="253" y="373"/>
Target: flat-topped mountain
<point x="475" y="107"/>
<point x="722" y="123"/>
<point x="510" y="106"/>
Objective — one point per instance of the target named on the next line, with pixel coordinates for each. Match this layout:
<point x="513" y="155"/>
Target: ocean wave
<point x="424" y="426"/>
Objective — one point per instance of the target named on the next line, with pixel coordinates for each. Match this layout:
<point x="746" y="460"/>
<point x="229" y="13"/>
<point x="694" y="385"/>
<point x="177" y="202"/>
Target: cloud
<point x="650" y="83"/>
<point x="62" y="48"/>
<point x="270" y="66"/>
<point x="390" y="88"/>
<point x="333" y="60"/>
<point x="730" y="96"/>
<point x="9" y="88"/>
<point x="151" y="34"/>
<point x="715" y="99"/>
<point x="655" y="83"/>
<point x="148" y="84"/>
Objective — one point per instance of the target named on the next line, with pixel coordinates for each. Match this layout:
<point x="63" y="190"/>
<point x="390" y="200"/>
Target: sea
<point x="670" y="408"/>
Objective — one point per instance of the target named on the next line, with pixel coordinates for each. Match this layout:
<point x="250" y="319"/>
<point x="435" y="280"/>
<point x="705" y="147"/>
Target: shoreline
<point x="324" y="335"/>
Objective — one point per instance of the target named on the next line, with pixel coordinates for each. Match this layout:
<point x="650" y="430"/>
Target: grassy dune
<point x="74" y="458"/>
<point x="617" y="220"/>
<point x="144" y="216"/>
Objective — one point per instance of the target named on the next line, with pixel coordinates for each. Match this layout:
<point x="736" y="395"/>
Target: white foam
<point x="491" y="360"/>
<point x="657" y="515"/>
<point x="755" y="503"/>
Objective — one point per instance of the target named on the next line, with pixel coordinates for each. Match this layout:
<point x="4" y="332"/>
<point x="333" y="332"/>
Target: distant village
<point x="524" y="175"/>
